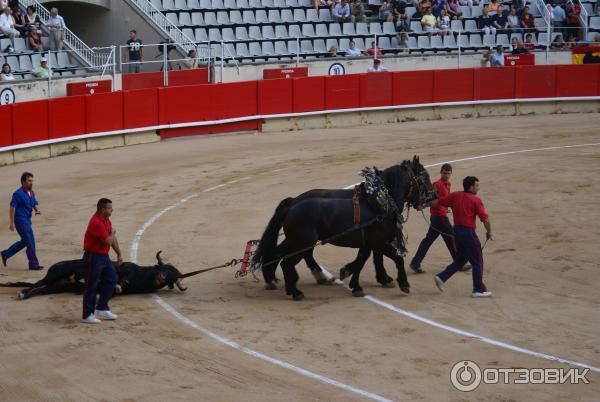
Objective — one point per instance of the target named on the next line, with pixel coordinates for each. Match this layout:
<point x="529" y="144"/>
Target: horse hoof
<point x="389" y="284"/>
<point x="358" y="293"/>
<point x="298" y="296"/>
<point x="270" y="286"/>
<point x="344" y="274"/>
<point x="405" y="289"/>
<point x="21" y="295"/>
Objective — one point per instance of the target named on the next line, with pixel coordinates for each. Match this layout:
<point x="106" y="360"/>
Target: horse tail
<point x="17" y="285"/>
<point x="265" y="251"/>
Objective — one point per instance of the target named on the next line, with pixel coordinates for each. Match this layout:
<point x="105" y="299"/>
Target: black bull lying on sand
<point x="318" y="216"/>
<point x="67" y="276"/>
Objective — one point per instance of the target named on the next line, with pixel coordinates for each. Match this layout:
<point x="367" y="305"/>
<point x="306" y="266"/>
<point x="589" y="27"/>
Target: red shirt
<point x="443" y="190"/>
<point x="97" y="232"/>
<point x="465" y="206"/>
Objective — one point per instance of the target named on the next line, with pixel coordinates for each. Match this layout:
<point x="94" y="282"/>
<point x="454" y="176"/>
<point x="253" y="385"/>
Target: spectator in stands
<point x="443" y="23"/>
<point x="485" y="22"/>
<point x="497" y="59"/>
<point x="135" y="52"/>
<point x="401" y="18"/>
<point x="428" y="22"/>
<point x="559" y="18"/>
<point x="514" y="22"/>
<point x="3" y="4"/>
<point x="42" y="71"/>
<point x="454" y="10"/>
<point x="513" y="43"/>
<point x="558" y="42"/>
<point x="35" y="41"/>
<point x="500" y="21"/>
<point x="341" y="12"/>
<point x="527" y="21"/>
<point x="376" y="67"/>
<point x="6" y="74"/>
<point x="571" y="41"/>
<point x="493" y="7"/>
<point x="191" y="61"/>
<point x="7" y="27"/>
<point x="402" y="40"/>
<point x="332" y="52"/>
<point x="352" y="51"/>
<point x="529" y="44"/>
<point x="33" y="19"/>
<point x="518" y="5"/>
<point x="520" y="49"/>
<point x="386" y="11"/>
<point x="357" y="12"/>
<point x="437" y="6"/>
<point x="486" y="61"/>
<point x="572" y="23"/>
<point x="371" y="51"/>
<point x="20" y="23"/>
<point x="56" y="29"/>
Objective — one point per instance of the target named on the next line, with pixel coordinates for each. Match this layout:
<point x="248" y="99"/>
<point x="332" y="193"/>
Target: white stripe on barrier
<point x="230" y="343"/>
<point x="285" y="115"/>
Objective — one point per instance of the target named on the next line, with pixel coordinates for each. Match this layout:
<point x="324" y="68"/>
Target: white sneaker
<point x="482" y="294"/>
<point x="91" y="319"/>
<point x="439" y="283"/>
<point x="106" y="314"/>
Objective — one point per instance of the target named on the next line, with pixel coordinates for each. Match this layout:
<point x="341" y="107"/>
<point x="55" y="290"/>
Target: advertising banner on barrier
<point x="295" y="72"/>
<point x="586" y="55"/>
<point x="519" y="60"/>
<point x="89" y="88"/>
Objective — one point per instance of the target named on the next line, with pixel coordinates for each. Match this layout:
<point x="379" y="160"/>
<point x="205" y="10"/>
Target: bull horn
<point x="180" y="286"/>
<point x="160" y="261"/>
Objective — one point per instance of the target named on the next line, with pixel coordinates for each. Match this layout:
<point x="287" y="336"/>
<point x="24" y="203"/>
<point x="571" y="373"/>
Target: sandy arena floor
<point x="542" y="267"/>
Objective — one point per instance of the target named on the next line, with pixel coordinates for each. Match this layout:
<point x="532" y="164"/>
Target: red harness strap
<point x="356" y="204"/>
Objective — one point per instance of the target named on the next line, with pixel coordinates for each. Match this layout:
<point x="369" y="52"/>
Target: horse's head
<point x="421" y="189"/>
<point x="167" y="275"/>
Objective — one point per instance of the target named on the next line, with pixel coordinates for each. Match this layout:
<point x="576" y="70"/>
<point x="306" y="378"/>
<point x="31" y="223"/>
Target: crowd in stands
<point x="28" y="26"/>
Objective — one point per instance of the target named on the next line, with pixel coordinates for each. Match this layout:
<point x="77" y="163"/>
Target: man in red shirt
<point x="99" y="238"/>
<point x="439" y="223"/>
<point x="466" y="206"/>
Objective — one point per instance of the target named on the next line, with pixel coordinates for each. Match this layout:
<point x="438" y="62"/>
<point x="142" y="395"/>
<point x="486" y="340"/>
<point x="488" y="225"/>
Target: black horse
<point x="317" y="219"/>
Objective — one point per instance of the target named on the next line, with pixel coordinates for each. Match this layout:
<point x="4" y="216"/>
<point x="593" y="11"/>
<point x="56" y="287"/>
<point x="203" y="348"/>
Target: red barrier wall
<point x="6" y="126"/>
<point x="309" y="94"/>
<point x="376" y="89"/>
<point x="183" y="104"/>
<point x="104" y="112"/>
<point x="156" y="79"/>
<point x="453" y="85"/>
<point x="66" y="116"/>
<point x="494" y="83"/>
<point x="140" y="108"/>
<point x="535" y="81"/>
<point x="342" y="91"/>
<point x="30" y="121"/>
<point x="410" y="87"/>
<point x="275" y="96"/>
<point x="250" y="125"/>
<point x="233" y="100"/>
<point x="577" y="80"/>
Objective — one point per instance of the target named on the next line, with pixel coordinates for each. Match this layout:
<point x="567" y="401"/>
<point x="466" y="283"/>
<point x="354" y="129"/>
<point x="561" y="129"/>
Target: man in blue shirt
<point x="498" y="57"/>
<point x="21" y="206"/>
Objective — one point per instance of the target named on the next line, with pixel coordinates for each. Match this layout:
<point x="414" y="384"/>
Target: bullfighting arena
<point x="200" y="199"/>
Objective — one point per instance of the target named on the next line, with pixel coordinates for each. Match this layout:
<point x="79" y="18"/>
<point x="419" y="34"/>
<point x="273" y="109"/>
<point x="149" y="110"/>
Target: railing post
<point x="114" y="63"/>
<point x="458" y="37"/>
<point x="297" y="51"/>
<point x="222" y="60"/>
<point x="165" y="67"/>
<point x="49" y="75"/>
<point x="121" y="59"/>
<point x="375" y="46"/>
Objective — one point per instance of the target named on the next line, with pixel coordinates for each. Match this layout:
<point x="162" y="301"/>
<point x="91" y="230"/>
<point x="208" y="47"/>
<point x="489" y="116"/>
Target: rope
<point x="431" y="226"/>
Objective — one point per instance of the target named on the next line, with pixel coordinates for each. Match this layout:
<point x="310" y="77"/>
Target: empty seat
<point x="210" y="18"/>
<point x="456" y="25"/>
<point x="206" y="4"/>
<point x="471" y="26"/>
<point x="304" y="3"/>
<point x="181" y="5"/>
<point x="230" y="50"/>
<point x="540" y="22"/>
<point x="293" y="47"/>
<point x="287" y="16"/>
<point x="502" y="39"/>
<point x="13" y="62"/>
<point x="254" y="4"/>
<point x="415" y="26"/>
<point x="261" y="16"/>
<point x="595" y="22"/>
<point x="463" y="41"/>
<point x="172" y="18"/>
<point x="475" y="41"/>
<point x="279" y="4"/>
<point x="410" y="11"/>
<point x="312" y="15"/>
<point x="227" y="34"/>
<point x="267" y="48"/>
<point x="375" y="28"/>
<point x="241" y="33"/>
<point x="299" y="15"/>
<point x="248" y="17"/>
<point x="201" y="35"/>
<point x="344" y="44"/>
<point x="436" y="42"/>
<point x="321" y="30"/>
<point x="281" y="47"/>
<point x="489" y="40"/>
<point x="389" y="28"/>
<point x="423" y="42"/>
<point x="412" y="43"/>
<point x="63" y="60"/>
<point x="335" y="29"/>
<point x="168" y="5"/>
<point x="324" y="14"/>
<point x="267" y="32"/>
<point x="254" y="32"/>
<point x="449" y="41"/>
<point x="360" y="43"/>
<point x="291" y="3"/>
<point x="306" y="46"/>
<point x="214" y="35"/>
<point x="476" y="11"/>
<point x="295" y="31"/>
<point x="25" y="63"/>
<point x="231" y="4"/>
<point x="308" y="30"/>
<point x="281" y="31"/>
<point x="274" y="16"/>
<point x="255" y="49"/>
<point x="466" y="11"/>
<point x="348" y="28"/>
<point x="319" y="46"/>
<point x="241" y="49"/>
<point x="223" y="18"/>
<point x="157" y="4"/>
<point x="236" y="17"/>
<point x="368" y="42"/>
<point x="542" y="39"/>
<point x="331" y="42"/>
<point x="197" y="19"/>
<point x="243" y="4"/>
<point x="362" y="28"/>
<point x="217" y="4"/>
<point x="268" y="3"/>
<point x="384" y="42"/>
<point x="185" y="19"/>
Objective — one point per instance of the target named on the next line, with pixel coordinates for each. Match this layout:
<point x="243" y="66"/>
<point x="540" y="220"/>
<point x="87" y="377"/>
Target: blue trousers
<point x="27" y="241"/>
<point x="468" y="248"/>
<point x="438" y="224"/>
<point x="100" y="272"/>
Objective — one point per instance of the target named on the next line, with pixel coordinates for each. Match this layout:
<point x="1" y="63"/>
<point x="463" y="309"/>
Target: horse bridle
<point x="416" y="183"/>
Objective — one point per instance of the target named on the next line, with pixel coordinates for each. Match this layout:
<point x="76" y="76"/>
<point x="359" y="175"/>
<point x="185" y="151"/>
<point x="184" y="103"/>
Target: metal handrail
<point x="167" y="27"/>
<point x="85" y="53"/>
<point x="584" y="18"/>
